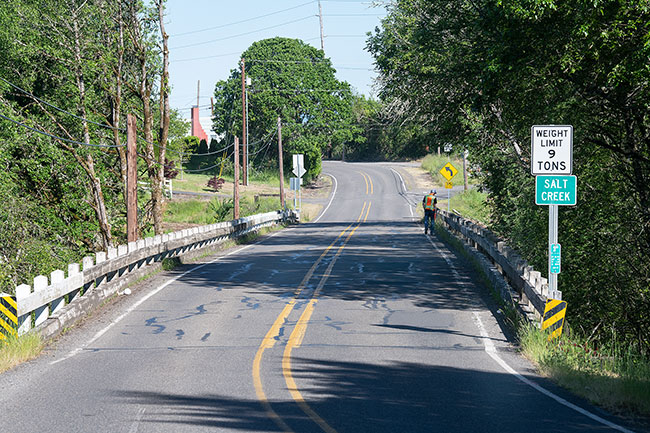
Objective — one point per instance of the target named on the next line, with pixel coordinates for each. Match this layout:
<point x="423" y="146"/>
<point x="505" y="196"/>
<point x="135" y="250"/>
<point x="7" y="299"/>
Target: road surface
<point x="356" y="322"/>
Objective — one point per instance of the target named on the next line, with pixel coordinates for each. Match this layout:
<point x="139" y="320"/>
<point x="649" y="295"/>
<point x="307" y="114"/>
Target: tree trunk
<point x="117" y="100"/>
<point x="95" y="183"/>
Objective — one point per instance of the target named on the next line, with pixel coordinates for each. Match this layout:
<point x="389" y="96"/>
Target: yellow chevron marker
<point x="8" y="316"/>
<point x="554" y="313"/>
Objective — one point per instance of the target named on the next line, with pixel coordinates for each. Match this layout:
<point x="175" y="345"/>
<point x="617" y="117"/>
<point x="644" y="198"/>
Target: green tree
<point x="295" y="81"/>
<point x="480" y="74"/>
<point x="67" y="69"/>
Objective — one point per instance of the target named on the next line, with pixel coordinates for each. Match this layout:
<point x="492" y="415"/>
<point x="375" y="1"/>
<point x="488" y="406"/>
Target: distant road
<point x="357" y="322"/>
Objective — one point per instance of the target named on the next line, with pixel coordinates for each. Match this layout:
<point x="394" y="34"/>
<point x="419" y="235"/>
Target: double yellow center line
<point x="295" y="339"/>
<point x="369" y="186"/>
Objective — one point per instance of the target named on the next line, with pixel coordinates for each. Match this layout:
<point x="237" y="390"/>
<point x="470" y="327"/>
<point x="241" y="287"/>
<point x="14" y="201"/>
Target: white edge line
<point x="149" y="295"/>
<point x="336" y="183"/>
<point x="492" y="352"/>
<point x="404" y="188"/>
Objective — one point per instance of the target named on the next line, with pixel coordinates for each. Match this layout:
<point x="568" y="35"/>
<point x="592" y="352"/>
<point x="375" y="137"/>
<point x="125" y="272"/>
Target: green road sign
<point x="556" y="258"/>
<point x="556" y="190"/>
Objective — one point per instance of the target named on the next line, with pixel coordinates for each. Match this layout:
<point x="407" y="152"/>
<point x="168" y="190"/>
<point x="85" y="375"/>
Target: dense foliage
<point x="73" y="70"/>
<point x="481" y="73"/>
<point x="294" y="81"/>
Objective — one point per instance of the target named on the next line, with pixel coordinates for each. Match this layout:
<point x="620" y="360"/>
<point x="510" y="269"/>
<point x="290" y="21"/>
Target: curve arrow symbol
<point x="451" y="172"/>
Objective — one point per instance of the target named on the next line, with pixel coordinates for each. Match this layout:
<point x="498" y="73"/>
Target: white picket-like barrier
<point x="517" y="282"/>
<point x="107" y="271"/>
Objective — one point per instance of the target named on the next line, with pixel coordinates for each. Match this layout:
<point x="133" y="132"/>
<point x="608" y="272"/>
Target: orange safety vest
<point x="428" y="203"/>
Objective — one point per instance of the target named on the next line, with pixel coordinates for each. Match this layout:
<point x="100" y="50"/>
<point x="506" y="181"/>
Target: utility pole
<point x="236" y="181"/>
<point x="131" y="180"/>
<point x="248" y="152"/>
<point x="320" y="18"/>
<point x="198" y="91"/>
<point x="244" y="124"/>
<point x="280" y="162"/>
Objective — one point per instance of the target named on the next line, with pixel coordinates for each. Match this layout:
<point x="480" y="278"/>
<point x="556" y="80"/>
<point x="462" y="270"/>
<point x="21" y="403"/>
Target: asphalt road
<point x="356" y="322"/>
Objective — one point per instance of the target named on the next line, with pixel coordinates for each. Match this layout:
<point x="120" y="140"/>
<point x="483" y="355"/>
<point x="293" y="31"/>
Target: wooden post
<point x="244" y="125"/>
<point x="131" y="180"/>
<point x="280" y="162"/>
<point x="236" y="181"/>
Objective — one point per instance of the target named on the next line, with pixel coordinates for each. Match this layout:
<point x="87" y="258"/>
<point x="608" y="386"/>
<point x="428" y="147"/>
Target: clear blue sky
<point x="217" y="36"/>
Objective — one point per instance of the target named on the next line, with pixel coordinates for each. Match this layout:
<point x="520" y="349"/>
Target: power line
<point x="243" y="21"/>
<point x="198" y="170"/>
<point x="353" y="15"/>
<point x="56" y="137"/>
<point x="245" y="33"/>
<point x="57" y="108"/>
<point x="266" y="146"/>
<point x="308" y="62"/>
<point x="287" y="61"/>
<point x="299" y="90"/>
<point x="210" y="153"/>
<point x="207" y="57"/>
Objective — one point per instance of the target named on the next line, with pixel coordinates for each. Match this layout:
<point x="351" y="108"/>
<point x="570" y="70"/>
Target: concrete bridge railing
<point x="51" y="302"/>
<point x="509" y="273"/>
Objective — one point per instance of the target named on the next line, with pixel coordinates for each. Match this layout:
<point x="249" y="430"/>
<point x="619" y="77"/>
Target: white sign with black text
<point x="551" y="149"/>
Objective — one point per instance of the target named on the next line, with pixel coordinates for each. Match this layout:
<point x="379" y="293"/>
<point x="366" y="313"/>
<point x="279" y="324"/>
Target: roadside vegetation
<point x="17" y="349"/>
<point x="470" y="204"/>
<point x="498" y="72"/>
<point x="614" y="375"/>
<point x="217" y="209"/>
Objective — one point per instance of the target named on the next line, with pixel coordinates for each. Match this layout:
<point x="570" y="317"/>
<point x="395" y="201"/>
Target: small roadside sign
<point x="448" y="171"/>
<point x="551" y="149"/>
<point x="294" y="183"/>
<point x="449" y="185"/>
<point x="556" y="190"/>
<point x="299" y="165"/>
<point x="555" y="257"/>
<point x="553" y="319"/>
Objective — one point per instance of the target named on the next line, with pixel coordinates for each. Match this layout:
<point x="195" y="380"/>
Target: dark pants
<point x="429" y="219"/>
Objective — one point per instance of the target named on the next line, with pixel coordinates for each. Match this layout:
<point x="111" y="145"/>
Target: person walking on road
<point x="429" y="203"/>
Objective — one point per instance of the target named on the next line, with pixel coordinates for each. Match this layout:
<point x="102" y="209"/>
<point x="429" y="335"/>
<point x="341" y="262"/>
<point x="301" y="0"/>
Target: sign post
<point x="551" y="163"/>
<point x="448" y="172"/>
<point x="299" y="171"/>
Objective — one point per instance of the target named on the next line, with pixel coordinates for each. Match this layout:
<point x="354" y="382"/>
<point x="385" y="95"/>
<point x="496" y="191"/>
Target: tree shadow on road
<point x="360" y="397"/>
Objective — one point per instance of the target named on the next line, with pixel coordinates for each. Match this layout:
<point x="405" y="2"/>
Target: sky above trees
<point x="216" y="47"/>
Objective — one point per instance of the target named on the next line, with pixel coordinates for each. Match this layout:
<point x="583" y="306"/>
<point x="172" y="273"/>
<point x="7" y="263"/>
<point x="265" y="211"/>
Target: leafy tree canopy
<point x="481" y="73"/>
<point x="295" y="81"/>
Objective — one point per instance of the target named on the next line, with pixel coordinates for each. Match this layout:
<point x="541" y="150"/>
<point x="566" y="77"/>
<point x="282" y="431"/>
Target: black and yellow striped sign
<point x="8" y="316"/>
<point x="553" y="320"/>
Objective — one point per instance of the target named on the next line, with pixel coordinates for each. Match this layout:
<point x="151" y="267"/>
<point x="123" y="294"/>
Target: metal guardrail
<point x="49" y="297"/>
<point x="530" y="289"/>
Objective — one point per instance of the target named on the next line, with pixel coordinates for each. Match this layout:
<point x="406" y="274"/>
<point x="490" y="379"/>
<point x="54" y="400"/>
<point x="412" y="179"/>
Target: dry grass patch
<point x="18" y="349"/>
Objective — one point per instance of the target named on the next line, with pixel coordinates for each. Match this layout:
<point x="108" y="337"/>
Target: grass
<point x="615" y="378"/>
<point x="188" y="211"/>
<point x="18" y="349"/>
<point x="197" y="182"/>
<point x="194" y="182"/>
<point x="470" y="204"/>
<point x="217" y="209"/>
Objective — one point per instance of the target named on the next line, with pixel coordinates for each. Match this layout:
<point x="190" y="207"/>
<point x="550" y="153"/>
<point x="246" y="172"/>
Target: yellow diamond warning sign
<point x="448" y="171"/>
